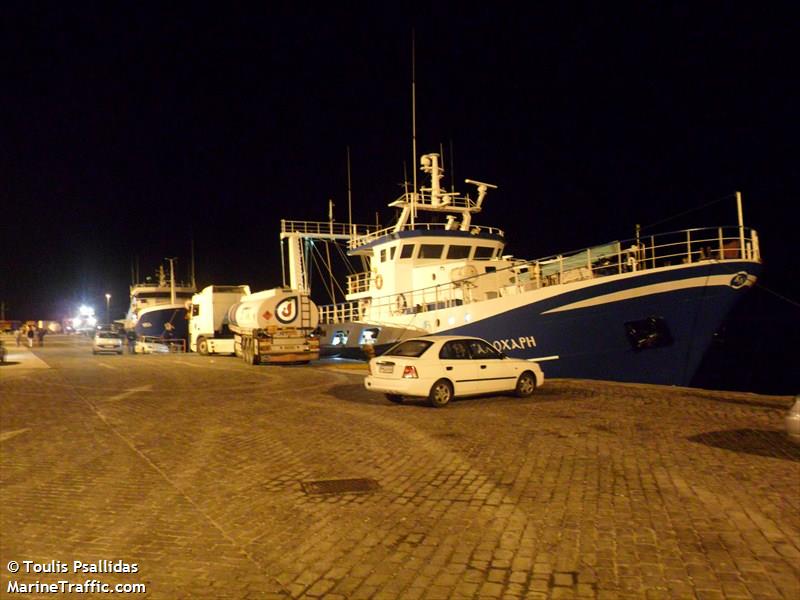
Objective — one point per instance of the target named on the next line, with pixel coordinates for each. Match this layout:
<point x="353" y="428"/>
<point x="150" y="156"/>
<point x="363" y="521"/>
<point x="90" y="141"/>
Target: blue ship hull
<point x="169" y="321"/>
<point x="655" y="327"/>
<point x="620" y="330"/>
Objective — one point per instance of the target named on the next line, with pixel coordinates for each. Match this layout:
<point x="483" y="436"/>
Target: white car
<point x="441" y="367"/>
<point x="106" y="341"/>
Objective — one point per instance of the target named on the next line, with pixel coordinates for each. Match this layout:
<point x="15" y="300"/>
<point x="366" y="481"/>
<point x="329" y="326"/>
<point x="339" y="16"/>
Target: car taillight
<point x="410" y="372"/>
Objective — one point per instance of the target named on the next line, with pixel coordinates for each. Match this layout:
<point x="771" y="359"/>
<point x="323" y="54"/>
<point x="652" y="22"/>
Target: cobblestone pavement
<point x="200" y="470"/>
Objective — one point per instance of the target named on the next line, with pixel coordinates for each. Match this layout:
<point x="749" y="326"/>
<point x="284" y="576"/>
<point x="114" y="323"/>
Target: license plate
<point x="385" y="369"/>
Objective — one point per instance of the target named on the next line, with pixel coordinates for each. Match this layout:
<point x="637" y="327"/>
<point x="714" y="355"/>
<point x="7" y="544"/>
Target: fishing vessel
<point x="158" y="307"/>
<point x="640" y="310"/>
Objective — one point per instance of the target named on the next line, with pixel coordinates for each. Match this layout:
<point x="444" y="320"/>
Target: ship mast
<point x="413" y="126"/>
<point x="740" y="218"/>
<point x="194" y="285"/>
<point x="171" y="279"/>
<point x="349" y="195"/>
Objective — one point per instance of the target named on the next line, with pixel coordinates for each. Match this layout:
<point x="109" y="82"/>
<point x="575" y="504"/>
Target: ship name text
<point x="517" y="343"/>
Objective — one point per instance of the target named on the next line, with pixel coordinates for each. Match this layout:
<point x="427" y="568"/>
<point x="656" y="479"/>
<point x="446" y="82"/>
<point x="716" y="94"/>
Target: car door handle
<point x="448" y="368"/>
<point x="483" y="366"/>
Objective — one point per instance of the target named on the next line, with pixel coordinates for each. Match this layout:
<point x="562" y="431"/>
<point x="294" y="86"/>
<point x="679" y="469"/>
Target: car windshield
<point x="411" y="348"/>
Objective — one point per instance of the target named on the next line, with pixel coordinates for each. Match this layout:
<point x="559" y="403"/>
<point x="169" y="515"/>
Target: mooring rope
<point x="686" y="212"/>
<point x="781" y="296"/>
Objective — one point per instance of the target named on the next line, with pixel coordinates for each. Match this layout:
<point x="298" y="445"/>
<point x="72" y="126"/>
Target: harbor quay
<point x="188" y="476"/>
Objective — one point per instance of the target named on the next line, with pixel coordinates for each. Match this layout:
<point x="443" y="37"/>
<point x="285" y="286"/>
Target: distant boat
<point x="159" y="308"/>
<point x="641" y="310"/>
<point x="165" y="321"/>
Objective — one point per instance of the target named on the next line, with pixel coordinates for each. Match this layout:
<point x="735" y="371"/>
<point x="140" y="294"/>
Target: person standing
<point x="30" y="336"/>
<point x="131" y="336"/>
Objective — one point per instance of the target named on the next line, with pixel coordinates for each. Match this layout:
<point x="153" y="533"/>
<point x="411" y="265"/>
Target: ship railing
<point x="339" y="313"/>
<point x="647" y="252"/>
<point x="625" y="256"/>
<point x="360" y="282"/>
<point x="151" y="284"/>
<point x="326" y="228"/>
<point x="424" y="200"/>
<point x="363" y="240"/>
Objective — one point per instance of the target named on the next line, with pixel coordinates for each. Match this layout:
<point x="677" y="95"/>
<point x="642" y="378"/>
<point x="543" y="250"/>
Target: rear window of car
<point x="409" y="348"/>
<point x="107" y="336"/>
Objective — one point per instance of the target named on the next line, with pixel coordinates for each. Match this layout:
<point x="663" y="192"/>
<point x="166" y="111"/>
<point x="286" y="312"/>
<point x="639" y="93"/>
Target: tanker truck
<point x="275" y="326"/>
<point x="208" y="319"/>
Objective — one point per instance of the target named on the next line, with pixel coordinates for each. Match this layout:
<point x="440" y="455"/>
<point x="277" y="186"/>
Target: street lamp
<point x="108" y="299"/>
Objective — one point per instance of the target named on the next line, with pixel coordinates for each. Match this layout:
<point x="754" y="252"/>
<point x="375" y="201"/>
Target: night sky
<point x="129" y="131"/>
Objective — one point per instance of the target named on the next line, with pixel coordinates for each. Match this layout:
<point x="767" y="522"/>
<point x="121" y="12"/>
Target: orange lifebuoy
<point x="378" y="281"/>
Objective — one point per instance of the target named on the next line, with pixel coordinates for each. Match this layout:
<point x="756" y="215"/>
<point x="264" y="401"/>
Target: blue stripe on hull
<point x="592" y="342"/>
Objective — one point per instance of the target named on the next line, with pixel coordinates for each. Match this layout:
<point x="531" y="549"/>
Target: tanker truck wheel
<point x="202" y="346"/>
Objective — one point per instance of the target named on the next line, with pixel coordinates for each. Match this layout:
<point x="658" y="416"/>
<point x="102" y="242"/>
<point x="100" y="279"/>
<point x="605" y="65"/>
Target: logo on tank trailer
<point x="286" y="311"/>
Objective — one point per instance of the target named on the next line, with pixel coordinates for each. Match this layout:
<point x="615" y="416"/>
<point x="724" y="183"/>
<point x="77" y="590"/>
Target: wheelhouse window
<point x="391" y="252"/>
<point x="484" y="252"/>
<point x="430" y="251"/>
<point x="456" y="252"/>
<point x="407" y="251"/>
<point x="383" y="255"/>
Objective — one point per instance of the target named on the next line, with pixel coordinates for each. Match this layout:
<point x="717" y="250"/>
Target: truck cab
<point x="208" y="320"/>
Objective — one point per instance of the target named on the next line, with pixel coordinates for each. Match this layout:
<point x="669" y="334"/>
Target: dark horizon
<point x="131" y="133"/>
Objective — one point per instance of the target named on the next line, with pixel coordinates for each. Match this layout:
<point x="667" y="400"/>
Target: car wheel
<point x="526" y="385"/>
<point x="202" y="346"/>
<point x="396" y="398"/>
<point x="441" y="393"/>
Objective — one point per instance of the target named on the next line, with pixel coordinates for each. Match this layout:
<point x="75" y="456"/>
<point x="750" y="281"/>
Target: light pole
<point x="108" y="300"/>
